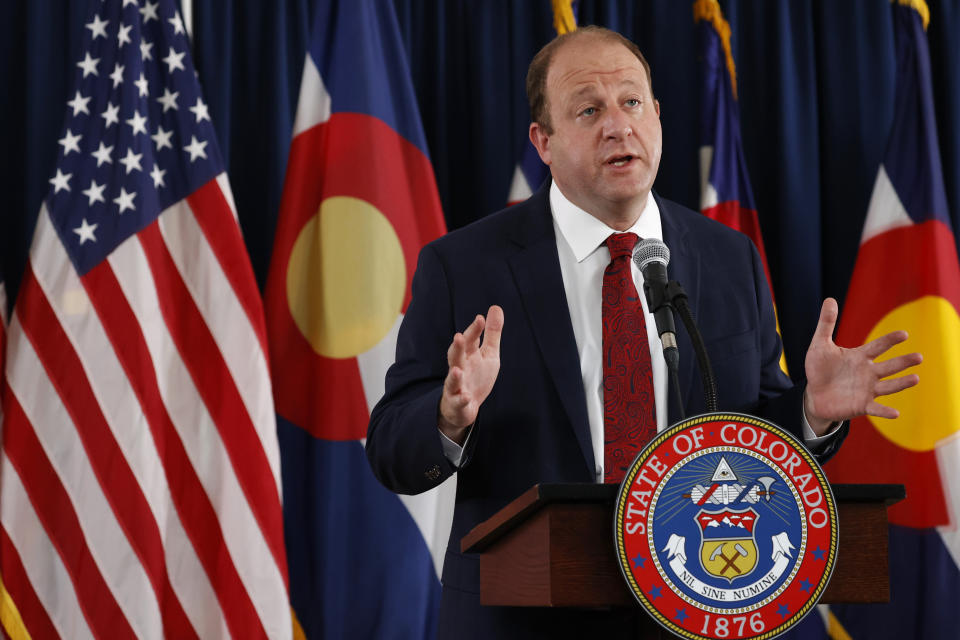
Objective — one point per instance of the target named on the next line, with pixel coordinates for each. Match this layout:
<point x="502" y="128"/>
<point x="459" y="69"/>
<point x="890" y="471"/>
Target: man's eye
<point x="633" y="102"/>
<point x="589" y="111"/>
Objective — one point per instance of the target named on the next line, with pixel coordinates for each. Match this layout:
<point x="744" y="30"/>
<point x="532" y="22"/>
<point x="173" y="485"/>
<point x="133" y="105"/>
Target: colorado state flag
<point x="907" y="277"/>
<point x="359" y="201"/>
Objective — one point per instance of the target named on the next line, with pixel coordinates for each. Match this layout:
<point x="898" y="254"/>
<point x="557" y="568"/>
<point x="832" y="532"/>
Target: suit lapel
<point x="536" y="271"/>
<point x="684" y="267"/>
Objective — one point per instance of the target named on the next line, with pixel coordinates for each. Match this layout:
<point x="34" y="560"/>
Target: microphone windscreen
<point x="651" y="250"/>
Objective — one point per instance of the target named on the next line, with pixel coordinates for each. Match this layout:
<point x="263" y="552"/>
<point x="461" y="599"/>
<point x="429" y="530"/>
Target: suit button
<point x="432" y="473"/>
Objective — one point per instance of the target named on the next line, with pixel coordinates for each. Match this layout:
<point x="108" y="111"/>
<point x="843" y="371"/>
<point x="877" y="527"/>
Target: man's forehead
<point x="584" y="61"/>
<point x="626" y="78"/>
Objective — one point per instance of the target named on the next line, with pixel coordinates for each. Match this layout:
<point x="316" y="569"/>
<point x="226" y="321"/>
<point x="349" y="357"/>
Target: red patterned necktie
<point x="629" y="412"/>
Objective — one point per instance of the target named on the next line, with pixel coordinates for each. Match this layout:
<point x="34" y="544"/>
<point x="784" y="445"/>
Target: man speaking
<point x="558" y="374"/>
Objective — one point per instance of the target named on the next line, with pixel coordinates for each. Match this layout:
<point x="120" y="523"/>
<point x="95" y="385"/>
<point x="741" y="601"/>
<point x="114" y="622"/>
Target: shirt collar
<point x="585" y="233"/>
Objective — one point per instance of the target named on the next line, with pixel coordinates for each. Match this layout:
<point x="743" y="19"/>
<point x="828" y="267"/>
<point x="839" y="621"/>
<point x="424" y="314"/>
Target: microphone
<point x="651" y="257"/>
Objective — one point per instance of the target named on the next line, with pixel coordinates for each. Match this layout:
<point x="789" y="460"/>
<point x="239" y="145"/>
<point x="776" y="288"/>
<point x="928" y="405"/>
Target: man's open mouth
<point x="620" y="161"/>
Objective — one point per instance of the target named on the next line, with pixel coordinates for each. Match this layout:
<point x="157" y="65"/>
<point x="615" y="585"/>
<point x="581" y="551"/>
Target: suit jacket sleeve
<point x="403" y="441"/>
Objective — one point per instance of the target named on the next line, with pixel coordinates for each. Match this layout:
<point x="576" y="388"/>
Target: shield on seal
<point x="727" y="547"/>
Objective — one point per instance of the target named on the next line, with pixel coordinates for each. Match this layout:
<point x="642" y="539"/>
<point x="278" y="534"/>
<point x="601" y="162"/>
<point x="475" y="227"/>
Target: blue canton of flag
<point x="137" y="136"/>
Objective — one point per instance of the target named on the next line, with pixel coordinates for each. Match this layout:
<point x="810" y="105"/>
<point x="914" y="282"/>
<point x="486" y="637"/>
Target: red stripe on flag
<point x="213" y="381"/>
<point x="15" y="579"/>
<point x="196" y="511"/>
<point x="213" y="214"/>
<point x="116" y="478"/>
<point x="60" y="522"/>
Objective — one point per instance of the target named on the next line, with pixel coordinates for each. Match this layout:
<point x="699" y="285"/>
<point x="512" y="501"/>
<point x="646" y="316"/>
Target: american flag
<point x="139" y="476"/>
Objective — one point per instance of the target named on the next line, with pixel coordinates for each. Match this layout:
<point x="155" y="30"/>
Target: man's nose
<point x="616" y="125"/>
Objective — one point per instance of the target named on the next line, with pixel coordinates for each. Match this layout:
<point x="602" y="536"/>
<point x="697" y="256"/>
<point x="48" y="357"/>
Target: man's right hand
<point x="473" y="370"/>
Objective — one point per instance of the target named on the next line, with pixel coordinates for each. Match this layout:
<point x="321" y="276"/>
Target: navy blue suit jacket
<point x="533" y="427"/>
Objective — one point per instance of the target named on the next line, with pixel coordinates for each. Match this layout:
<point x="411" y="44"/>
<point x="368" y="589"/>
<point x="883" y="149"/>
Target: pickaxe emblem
<point x="729" y="563"/>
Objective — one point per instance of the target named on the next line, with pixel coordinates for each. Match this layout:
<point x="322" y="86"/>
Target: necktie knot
<point x="621" y="244"/>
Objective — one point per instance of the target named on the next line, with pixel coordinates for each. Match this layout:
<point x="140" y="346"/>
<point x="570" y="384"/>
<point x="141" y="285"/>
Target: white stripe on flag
<point x="224" y="183"/>
<point x="40" y="559"/>
<point x="520" y="189"/>
<point x="115" y="559"/>
<point x="227" y="321"/>
<point x="948" y="461"/>
<point x="241" y="532"/>
<point x="885" y="211"/>
<point x="708" y="194"/>
<point x="313" y="104"/>
<point x="128" y="424"/>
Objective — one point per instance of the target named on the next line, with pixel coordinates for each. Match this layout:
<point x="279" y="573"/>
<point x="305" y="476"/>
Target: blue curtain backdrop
<point x="815" y="84"/>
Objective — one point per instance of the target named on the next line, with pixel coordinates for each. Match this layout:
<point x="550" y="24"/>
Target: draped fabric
<point x="816" y="96"/>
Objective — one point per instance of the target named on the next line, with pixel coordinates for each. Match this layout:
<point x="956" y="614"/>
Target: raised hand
<point x="845" y="383"/>
<point x="473" y="370"/>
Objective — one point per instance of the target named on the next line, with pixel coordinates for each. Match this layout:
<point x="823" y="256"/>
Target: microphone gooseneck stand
<point x="678" y="299"/>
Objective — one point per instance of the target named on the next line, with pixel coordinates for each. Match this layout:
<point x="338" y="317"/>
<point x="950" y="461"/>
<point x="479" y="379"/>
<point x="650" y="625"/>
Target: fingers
<point x="454" y="381"/>
<point x="465" y="343"/>
<point x="894" y="366"/>
<point x="457" y="352"/>
<point x="886" y="387"/>
<point x="881" y="411"/>
<point x="827" y="322"/>
<point x="877" y="347"/>
<point x="471" y="336"/>
<point x="455" y="405"/>
<point x="494" y="329"/>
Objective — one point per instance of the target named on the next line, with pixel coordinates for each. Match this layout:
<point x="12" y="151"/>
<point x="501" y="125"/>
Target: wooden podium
<point x="553" y="547"/>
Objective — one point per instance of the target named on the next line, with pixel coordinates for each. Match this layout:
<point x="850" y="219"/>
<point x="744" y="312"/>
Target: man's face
<point x="604" y="150"/>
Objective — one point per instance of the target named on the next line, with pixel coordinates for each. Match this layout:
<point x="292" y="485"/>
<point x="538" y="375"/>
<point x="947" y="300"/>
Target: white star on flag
<point x="146" y="50"/>
<point x="138" y="123"/>
<point x="177" y="23"/>
<point x="94" y="193"/>
<point x="85" y="231"/>
<point x="117" y="75"/>
<point x="111" y="115"/>
<point x="142" y="86"/>
<point x="79" y="104"/>
<point x="196" y="148"/>
<point x="174" y="60"/>
<point x="162" y="138"/>
<point x="200" y="110"/>
<point x="168" y="99"/>
<point x="70" y="142"/>
<point x="149" y="11"/>
<point x="102" y="154"/>
<point x="132" y="161"/>
<point x="98" y="27"/>
<point x="61" y="181"/>
<point x="125" y="200"/>
<point x="157" y="174"/>
<point x="89" y="65"/>
<point x="123" y="35"/>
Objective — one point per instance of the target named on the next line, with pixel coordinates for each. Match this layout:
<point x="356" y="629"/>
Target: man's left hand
<point x="845" y="383"/>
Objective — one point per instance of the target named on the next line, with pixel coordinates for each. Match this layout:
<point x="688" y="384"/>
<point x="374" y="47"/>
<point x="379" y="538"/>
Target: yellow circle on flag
<point x="930" y="411"/>
<point x="346" y="278"/>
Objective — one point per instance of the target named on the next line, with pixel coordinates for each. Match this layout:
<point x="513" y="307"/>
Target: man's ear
<point x="540" y="140"/>
<point x="656" y="106"/>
